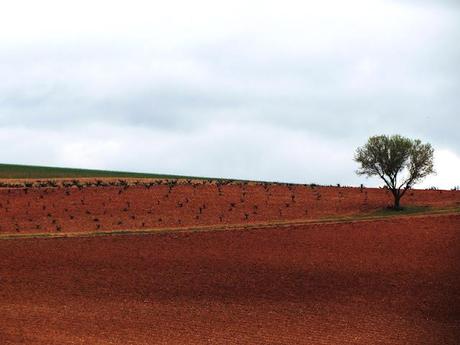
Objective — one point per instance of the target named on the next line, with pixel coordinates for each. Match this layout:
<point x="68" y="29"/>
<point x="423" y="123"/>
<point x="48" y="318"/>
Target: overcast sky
<point x="267" y="90"/>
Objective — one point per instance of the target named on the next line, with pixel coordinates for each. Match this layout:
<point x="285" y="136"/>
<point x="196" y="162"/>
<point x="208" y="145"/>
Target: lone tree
<point x="400" y="162"/>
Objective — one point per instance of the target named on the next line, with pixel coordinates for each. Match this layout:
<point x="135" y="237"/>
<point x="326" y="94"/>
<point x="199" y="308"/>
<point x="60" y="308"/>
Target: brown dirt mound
<point x="160" y="204"/>
<point x="393" y="281"/>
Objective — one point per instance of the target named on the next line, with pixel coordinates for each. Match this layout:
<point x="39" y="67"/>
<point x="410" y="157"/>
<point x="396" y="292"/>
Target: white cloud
<point x="221" y="150"/>
<point x="262" y="89"/>
<point x="447" y="166"/>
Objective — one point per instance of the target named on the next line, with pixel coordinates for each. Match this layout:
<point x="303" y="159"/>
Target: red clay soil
<point x="393" y="281"/>
<point x="107" y="208"/>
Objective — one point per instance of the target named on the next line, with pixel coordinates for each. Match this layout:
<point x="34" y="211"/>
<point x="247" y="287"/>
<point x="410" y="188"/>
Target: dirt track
<point x="394" y="281"/>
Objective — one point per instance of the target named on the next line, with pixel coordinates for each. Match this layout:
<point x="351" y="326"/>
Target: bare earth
<point x="37" y="210"/>
<point x="392" y="281"/>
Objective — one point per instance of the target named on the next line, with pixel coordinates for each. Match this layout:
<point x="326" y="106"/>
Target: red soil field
<point x="107" y="208"/>
<point x="392" y="281"/>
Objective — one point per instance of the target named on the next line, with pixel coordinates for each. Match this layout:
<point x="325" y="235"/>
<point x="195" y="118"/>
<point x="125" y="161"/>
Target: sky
<point x="265" y="90"/>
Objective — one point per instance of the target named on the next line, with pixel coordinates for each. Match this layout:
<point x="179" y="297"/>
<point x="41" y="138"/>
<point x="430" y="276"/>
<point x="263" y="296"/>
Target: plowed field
<point x="85" y="209"/>
<point x="392" y="281"/>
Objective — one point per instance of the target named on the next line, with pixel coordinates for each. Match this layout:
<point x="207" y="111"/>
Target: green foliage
<point x="400" y="162"/>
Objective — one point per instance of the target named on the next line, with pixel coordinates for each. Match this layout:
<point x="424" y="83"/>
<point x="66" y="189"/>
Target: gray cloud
<point x="432" y="3"/>
<point x="331" y="82"/>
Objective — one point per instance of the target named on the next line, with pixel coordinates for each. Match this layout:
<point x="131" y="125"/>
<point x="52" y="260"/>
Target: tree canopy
<point x="400" y="162"/>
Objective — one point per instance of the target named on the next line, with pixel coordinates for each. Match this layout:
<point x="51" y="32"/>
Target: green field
<point x="14" y="171"/>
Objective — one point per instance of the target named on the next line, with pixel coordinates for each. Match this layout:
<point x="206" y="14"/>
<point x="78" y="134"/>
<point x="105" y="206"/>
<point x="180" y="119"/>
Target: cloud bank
<point x="264" y="91"/>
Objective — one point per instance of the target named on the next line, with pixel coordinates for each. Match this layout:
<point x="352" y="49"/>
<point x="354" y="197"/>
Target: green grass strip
<point x="14" y="171"/>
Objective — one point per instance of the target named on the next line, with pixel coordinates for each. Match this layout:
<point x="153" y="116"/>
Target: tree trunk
<point x="397" y="205"/>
